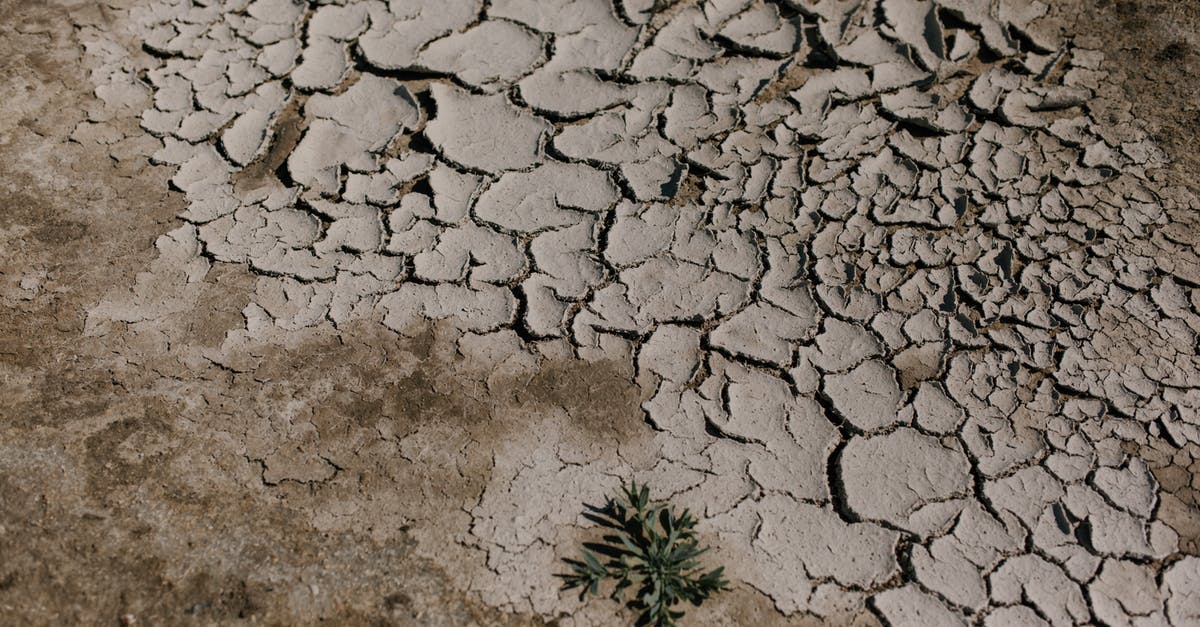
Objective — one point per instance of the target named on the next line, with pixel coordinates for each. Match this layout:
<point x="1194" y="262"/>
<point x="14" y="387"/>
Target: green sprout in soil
<point x="652" y="552"/>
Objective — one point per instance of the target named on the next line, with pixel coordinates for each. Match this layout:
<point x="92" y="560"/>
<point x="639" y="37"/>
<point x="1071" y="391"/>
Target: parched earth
<point x="342" y="311"/>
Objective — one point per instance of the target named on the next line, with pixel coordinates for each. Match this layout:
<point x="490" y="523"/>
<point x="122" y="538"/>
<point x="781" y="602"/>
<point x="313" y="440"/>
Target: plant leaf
<point x="652" y="556"/>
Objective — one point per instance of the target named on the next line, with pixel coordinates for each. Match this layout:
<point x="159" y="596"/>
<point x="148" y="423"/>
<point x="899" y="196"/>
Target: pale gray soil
<point x="336" y="313"/>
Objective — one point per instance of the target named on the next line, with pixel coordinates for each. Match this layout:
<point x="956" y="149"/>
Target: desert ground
<point x="342" y="311"/>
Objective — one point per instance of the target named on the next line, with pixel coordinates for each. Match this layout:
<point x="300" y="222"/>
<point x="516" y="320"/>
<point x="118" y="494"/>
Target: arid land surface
<point x="341" y="313"/>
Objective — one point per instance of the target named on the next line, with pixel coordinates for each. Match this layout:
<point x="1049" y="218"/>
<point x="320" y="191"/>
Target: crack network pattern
<point x="905" y="309"/>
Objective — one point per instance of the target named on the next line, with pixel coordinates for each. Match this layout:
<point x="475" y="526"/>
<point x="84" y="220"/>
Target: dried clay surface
<point x="342" y="310"/>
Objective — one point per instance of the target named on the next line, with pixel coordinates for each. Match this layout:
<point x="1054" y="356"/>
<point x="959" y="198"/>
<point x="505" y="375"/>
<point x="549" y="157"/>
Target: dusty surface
<point x="341" y="311"/>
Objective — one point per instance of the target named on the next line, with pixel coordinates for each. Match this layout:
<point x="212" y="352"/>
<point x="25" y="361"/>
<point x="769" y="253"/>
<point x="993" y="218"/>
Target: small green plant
<point x="652" y="552"/>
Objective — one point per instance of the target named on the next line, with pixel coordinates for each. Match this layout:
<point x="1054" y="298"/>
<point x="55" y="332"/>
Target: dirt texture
<point x="403" y="426"/>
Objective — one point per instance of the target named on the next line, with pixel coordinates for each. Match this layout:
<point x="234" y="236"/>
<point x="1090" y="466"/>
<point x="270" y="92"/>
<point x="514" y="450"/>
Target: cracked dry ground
<point x="341" y="310"/>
